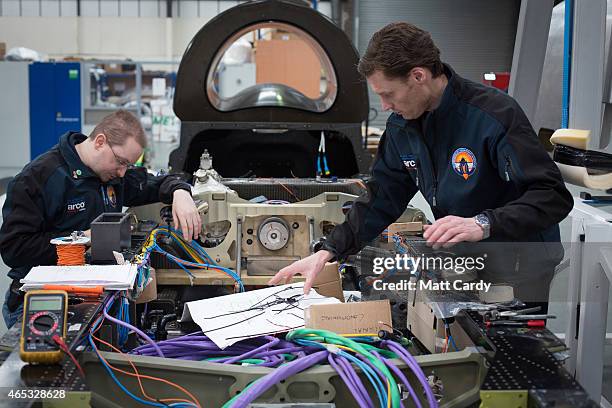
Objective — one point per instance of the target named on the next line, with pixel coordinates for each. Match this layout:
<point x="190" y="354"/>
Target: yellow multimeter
<point x="44" y="316"/>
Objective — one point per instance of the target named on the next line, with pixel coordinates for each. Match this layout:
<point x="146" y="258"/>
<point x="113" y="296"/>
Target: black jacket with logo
<point x="56" y="194"/>
<point x="476" y="153"/>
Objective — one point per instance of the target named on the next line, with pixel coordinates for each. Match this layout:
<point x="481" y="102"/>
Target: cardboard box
<point x="430" y="331"/>
<point x="112" y="68"/>
<point x="329" y="282"/>
<point x="350" y="318"/>
<point x="2" y="50"/>
<point x="290" y="62"/>
<point x="149" y="293"/>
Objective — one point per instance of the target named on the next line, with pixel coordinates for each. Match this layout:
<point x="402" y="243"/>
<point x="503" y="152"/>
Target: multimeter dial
<point x="44" y="323"/>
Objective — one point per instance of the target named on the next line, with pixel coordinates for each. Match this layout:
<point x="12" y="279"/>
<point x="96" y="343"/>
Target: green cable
<point x="327" y="336"/>
<point x="231" y="401"/>
<point x="245" y="361"/>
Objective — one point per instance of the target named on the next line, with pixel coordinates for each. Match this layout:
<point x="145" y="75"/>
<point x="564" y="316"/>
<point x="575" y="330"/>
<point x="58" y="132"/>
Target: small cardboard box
<point x="430" y="331"/>
<point x="149" y="292"/>
<point x="2" y="50"/>
<point x="350" y="318"/>
<point x="329" y="282"/>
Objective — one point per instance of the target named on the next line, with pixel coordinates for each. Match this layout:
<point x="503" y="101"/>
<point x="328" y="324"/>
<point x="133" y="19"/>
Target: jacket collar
<point x="449" y="99"/>
<point x="77" y="168"/>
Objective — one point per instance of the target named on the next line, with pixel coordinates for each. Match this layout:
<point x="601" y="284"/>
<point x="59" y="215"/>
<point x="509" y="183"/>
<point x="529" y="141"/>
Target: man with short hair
<point x="66" y="188"/>
<point x="467" y="147"/>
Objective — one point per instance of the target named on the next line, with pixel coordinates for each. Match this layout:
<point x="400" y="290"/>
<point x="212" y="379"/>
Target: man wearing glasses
<point x="66" y="188"/>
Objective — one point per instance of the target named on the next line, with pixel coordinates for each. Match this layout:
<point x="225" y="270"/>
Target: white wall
<point x="112" y="30"/>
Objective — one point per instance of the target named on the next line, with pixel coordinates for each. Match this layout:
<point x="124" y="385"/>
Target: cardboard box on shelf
<point x="112" y="68"/>
<point x="350" y="318"/>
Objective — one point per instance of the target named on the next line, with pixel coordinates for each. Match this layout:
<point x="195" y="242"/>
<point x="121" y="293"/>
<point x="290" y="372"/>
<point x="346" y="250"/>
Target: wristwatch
<point x="483" y="222"/>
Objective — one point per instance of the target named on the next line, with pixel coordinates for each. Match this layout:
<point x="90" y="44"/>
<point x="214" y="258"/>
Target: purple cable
<point x="262" y="384"/>
<point x="287" y="350"/>
<point x="351" y="371"/>
<point x="272" y="341"/>
<point x="271" y="361"/>
<point x="414" y="365"/>
<point x="348" y="381"/>
<point x="134" y="329"/>
<point x="359" y="388"/>
<point x="188" y="349"/>
<point x="401" y="376"/>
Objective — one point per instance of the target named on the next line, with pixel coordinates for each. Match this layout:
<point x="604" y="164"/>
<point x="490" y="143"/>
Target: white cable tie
<point x="332" y="348"/>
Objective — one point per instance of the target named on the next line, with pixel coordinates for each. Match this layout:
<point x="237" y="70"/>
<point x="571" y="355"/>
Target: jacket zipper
<point x="434" y="201"/>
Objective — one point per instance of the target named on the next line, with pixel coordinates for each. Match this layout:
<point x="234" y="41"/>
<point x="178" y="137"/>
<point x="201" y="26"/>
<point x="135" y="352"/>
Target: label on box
<point x="350" y="318"/>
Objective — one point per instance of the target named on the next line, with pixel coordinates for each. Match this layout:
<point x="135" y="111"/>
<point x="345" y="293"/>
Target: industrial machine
<point x="273" y="127"/>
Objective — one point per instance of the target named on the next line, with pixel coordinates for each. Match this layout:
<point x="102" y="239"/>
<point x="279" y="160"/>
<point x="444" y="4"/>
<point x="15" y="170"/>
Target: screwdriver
<point x="526" y="323"/>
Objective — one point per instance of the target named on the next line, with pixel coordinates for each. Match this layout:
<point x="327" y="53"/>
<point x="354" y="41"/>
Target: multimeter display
<point x="42" y="303"/>
<point x="44" y="316"/>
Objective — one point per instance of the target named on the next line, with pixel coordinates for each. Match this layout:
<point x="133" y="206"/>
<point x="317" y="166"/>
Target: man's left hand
<point x="451" y="230"/>
<point x="185" y="215"/>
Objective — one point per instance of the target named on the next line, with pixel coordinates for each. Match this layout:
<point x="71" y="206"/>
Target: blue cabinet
<point x="55" y="103"/>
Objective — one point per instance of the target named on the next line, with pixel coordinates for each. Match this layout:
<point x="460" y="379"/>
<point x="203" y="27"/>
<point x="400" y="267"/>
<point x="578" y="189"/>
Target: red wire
<point x="62" y="345"/>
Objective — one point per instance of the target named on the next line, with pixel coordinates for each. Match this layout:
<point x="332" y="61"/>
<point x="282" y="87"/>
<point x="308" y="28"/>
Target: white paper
<point x="112" y="277"/>
<point x="229" y="319"/>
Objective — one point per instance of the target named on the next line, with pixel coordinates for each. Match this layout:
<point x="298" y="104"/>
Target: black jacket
<point x="56" y="194"/>
<point x="476" y="153"/>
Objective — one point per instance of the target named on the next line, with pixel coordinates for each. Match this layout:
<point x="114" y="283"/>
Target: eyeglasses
<point x="121" y="161"/>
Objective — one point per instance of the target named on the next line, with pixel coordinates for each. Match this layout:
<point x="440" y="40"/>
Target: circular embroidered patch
<point x="464" y="162"/>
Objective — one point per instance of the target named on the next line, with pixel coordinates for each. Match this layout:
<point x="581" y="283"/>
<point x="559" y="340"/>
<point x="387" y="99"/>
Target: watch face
<point x="482" y="219"/>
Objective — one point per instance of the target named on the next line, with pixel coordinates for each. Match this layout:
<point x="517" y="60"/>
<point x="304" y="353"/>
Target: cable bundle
<point x="149" y="400"/>
<point x="199" y="258"/>
<point x="306" y="349"/>
<point x="302" y="349"/>
<point x="265" y="351"/>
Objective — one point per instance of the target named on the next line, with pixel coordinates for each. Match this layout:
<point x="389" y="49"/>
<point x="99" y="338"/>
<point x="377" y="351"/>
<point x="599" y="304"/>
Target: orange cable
<point x="138" y="375"/>
<point x="70" y="254"/>
<point x="288" y="190"/>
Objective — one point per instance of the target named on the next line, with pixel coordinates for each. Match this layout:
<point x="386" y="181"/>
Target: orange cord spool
<point x="71" y="250"/>
<point x="70" y="254"/>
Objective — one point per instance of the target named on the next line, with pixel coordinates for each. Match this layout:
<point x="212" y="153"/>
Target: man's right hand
<point x="308" y="267"/>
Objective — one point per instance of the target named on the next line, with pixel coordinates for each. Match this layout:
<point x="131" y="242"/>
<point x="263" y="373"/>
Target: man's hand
<point x="451" y="230"/>
<point x="308" y="267"/>
<point x="185" y="215"/>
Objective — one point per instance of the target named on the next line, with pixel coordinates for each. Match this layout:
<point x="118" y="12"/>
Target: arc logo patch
<point x="464" y="162"/>
<point x="75" y="205"/>
<point x="410" y="162"/>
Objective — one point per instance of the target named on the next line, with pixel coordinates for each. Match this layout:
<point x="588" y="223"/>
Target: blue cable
<point x="112" y="375"/>
<point x="370" y="374"/>
<point x="452" y="340"/>
<point x="567" y="59"/>
<point x="201" y="251"/>
<point x="382" y="393"/>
